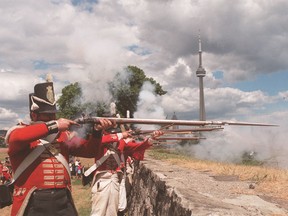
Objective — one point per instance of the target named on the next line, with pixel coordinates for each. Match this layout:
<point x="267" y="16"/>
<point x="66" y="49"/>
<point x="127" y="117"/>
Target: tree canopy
<point x="71" y="105"/>
<point x="70" y="101"/>
<point x="124" y="89"/>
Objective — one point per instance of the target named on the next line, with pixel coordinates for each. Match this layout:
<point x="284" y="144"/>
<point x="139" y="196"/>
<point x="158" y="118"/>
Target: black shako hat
<point x="43" y="98"/>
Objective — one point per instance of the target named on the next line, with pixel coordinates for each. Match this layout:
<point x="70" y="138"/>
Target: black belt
<point x="50" y="189"/>
<point x="51" y="201"/>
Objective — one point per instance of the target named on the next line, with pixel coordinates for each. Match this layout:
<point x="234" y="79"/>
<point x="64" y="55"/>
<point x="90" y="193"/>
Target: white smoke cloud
<point x="148" y="105"/>
<point x="268" y="144"/>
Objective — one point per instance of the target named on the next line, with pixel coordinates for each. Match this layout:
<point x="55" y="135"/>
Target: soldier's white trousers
<point x="105" y="194"/>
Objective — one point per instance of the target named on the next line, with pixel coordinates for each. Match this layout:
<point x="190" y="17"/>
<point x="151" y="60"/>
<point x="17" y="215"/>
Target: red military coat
<point x="129" y="148"/>
<point x="6" y="174"/>
<point x="46" y="171"/>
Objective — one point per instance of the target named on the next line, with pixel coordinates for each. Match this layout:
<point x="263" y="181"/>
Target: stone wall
<point x="151" y="196"/>
<point x="161" y="188"/>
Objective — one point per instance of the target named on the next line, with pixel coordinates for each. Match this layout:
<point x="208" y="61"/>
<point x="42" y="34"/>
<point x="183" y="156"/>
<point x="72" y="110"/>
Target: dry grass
<point x="81" y="194"/>
<point x="82" y="197"/>
<point x="3" y="153"/>
<point x="269" y="181"/>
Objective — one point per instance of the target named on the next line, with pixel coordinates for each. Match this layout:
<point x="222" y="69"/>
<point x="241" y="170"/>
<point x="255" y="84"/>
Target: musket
<point x="93" y="120"/>
<point x="177" y="131"/>
<point x="179" y="138"/>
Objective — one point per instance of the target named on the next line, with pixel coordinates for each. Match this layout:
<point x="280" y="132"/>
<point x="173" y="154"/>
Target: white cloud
<point x="7" y="114"/>
<point x="16" y="86"/>
<point x="239" y="38"/>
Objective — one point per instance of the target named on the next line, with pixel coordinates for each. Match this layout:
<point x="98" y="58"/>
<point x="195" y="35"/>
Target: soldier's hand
<point x="156" y="134"/>
<point x="126" y="134"/>
<point x="64" y="124"/>
<point x="104" y="124"/>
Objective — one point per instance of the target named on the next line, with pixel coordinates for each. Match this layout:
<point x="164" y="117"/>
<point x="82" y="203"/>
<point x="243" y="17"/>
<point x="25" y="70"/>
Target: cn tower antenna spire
<point x="200" y="51"/>
<point x="201" y="73"/>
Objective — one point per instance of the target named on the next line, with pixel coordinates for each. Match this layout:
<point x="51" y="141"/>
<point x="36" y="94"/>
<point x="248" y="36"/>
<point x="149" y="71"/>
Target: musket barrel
<point x="166" y="121"/>
<point x="179" y="138"/>
<point x="196" y="129"/>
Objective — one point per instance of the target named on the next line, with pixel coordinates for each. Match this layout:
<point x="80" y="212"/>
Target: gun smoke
<point x="264" y="144"/>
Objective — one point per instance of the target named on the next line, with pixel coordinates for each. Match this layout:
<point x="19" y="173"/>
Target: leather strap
<point x="103" y="159"/>
<point x="58" y="155"/>
<point x="32" y="157"/>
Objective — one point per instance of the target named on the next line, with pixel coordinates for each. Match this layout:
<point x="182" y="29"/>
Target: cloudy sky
<point x="244" y="45"/>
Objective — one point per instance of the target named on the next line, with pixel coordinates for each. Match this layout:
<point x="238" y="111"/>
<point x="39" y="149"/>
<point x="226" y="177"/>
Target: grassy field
<point x="3" y="153"/>
<point x="81" y="194"/>
<point x="82" y="197"/>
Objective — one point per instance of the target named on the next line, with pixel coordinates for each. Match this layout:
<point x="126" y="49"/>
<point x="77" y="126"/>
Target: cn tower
<point x="201" y="73"/>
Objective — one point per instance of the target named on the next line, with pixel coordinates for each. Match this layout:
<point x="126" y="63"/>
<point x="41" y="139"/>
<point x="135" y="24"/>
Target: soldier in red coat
<point x="6" y="177"/>
<point x="110" y="160"/>
<point x="40" y="153"/>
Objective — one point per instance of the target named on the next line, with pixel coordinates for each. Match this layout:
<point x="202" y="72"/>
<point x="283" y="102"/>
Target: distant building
<point x="2" y="138"/>
<point x="174" y="117"/>
<point x="3" y="133"/>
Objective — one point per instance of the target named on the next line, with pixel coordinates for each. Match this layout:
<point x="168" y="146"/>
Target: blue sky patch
<point x="43" y="65"/>
<point x="269" y="83"/>
<point x="139" y="50"/>
<point x="218" y="74"/>
<point x="79" y="2"/>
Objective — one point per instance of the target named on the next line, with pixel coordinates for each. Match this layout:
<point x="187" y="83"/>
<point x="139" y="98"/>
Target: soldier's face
<point x="45" y="117"/>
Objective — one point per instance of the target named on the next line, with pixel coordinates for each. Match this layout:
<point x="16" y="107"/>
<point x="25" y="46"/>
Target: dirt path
<point x="216" y="195"/>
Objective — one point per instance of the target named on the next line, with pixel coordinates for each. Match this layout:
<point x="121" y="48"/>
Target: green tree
<point x="95" y="109"/>
<point x="125" y="89"/>
<point x="70" y="101"/>
<point x="71" y="106"/>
